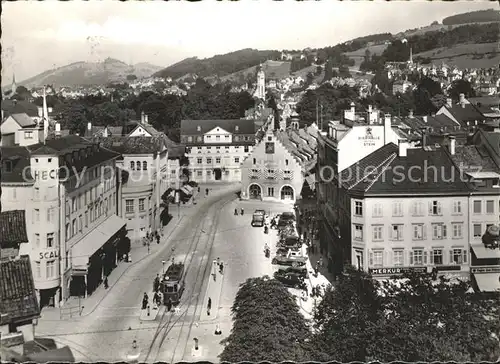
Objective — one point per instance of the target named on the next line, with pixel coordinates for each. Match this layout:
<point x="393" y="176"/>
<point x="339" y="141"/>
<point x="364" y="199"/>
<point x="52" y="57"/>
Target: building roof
<point x="132" y="145"/>
<point x="436" y="121"/>
<point x="292" y="141"/>
<point x="23" y="120"/>
<point x="493" y="101"/>
<point x="18" y="300"/>
<point x="12" y="228"/>
<point x="18" y="107"/>
<point x="190" y="127"/>
<point x="473" y="158"/>
<point x="385" y="172"/>
<point x="149" y="128"/>
<point x="465" y="113"/>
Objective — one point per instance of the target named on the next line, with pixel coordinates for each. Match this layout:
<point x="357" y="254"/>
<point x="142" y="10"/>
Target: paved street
<point x="107" y="333"/>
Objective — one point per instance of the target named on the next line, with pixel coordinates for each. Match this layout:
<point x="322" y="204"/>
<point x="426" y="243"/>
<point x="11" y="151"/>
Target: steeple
<point x="14" y="86"/>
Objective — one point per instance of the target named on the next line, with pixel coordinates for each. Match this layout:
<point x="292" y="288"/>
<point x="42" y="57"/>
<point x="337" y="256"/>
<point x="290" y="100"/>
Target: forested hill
<point x="481" y="16"/>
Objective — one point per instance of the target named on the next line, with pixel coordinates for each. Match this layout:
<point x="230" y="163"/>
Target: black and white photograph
<point x="249" y="181"/>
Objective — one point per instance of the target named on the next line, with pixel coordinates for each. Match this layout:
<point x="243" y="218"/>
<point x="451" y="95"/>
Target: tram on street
<point x="172" y="284"/>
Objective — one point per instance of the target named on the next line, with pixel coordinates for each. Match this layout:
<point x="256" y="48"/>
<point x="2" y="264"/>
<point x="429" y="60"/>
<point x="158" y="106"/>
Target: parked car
<point x="290" y="261"/>
<point x="257" y="219"/>
<point x="286" y="218"/>
<point x="290" y="279"/>
<point x="193" y="183"/>
<point x="302" y="271"/>
<point x="262" y="212"/>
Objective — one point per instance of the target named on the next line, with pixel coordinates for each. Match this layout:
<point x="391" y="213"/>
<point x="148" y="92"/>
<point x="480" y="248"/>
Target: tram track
<point x="167" y="323"/>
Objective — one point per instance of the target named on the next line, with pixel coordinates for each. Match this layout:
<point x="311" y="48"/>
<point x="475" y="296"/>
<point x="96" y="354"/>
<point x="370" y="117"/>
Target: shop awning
<point x="488" y="282"/>
<point x="63" y="354"/>
<point x="483" y="252"/>
<point x="189" y="188"/>
<point x="93" y="241"/>
<point x="185" y="191"/>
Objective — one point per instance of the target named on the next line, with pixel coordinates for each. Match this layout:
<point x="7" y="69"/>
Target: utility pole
<point x="321" y="128"/>
<point x="317" y="110"/>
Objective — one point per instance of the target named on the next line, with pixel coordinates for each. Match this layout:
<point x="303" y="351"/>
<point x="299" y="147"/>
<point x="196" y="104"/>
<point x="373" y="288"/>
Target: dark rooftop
<point x="12" y="229"/>
<point x="18" y="107"/>
<point x="190" y="127"/>
<point x="132" y="145"/>
<point x="17" y="291"/>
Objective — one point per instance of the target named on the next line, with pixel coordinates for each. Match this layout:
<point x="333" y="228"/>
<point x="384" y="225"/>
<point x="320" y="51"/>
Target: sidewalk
<point x="214" y="291"/>
<point x="138" y="252"/>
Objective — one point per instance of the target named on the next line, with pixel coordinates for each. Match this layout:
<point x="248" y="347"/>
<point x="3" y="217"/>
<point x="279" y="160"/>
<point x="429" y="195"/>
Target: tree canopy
<point x="267" y="324"/>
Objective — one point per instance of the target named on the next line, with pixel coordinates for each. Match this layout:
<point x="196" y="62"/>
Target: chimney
<point x="146" y="119"/>
<point x="142" y="117"/>
<point x="424" y="137"/>
<point x="449" y="102"/>
<point x="452" y="145"/>
<point x="403" y="148"/>
<point x="462" y="100"/>
<point x="353" y="107"/>
<point x="58" y="129"/>
<point x="370" y="109"/>
<point x="425" y="118"/>
<point x="410" y="113"/>
<point x="89" y="126"/>
<point x="387" y="128"/>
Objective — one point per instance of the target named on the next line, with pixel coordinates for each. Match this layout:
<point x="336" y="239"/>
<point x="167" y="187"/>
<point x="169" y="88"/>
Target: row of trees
<point x="363" y="320"/>
<point x="165" y="112"/>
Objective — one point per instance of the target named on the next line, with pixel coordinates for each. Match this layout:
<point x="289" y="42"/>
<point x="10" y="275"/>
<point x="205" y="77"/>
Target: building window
<point x="199" y="173"/>
<point x="73" y="204"/>
<point x="254" y="161"/>
<point x="358" y="208"/>
<point x="397" y="232"/>
<point x="28" y="135"/>
<point x="138" y="165"/>
<point x="458" y="256"/>
<point x="217" y="137"/>
<point x="129" y="206"/>
<point x="37" y="240"/>
<point x="68" y="232"/>
<point x="270" y="191"/>
<point x="398" y="258"/>
<point x="50" y="214"/>
<point x="457" y="207"/>
<point x="92" y="215"/>
<point x="86" y="218"/>
<point x="74" y="227"/>
<point x="397" y="209"/>
<point x="490" y="207"/>
<point x="141" y="204"/>
<point x="245" y="148"/>
<point x="37" y="193"/>
<point x="377" y="232"/>
<point x="132" y="165"/>
<point x="438" y="231"/>
<point x="417" y="208"/>
<point x="417" y="257"/>
<point x="190" y="139"/>
<point x="209" y="160"/>
<point x="477" y="206"/>
<point x="435" y="208"/>
<point x="144" y="166"/>
<point x="36" y="215"/>
<point x="226" y="137"/>
<point x="377" y="258"/>
<point x="50" y="269"/>
<point x="437" y="256"/>
<point x="236" y="160"/>
<point x="286" y="162"/>
<point x="418" y="231"/>
<point x="38" y="270"/>
<point x="457" y="230"/>
<point x="199" y="160"/>
<point x="358" y="232"/>
<point x="217" y="148"/>
<point x="377" y="210"/>
<point x="477" y="230"/>
<point x="50" y="240"/>
<point x="80" y="223"/>
<point x="217" y="160"/>
<point x="209" y="173"/>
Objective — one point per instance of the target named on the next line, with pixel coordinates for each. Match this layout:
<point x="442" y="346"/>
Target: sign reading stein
<point x="369" y="139"/>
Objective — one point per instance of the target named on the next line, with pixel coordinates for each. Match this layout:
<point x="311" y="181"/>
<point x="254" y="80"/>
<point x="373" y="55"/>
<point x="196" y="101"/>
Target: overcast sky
<point x="40" y="35"/>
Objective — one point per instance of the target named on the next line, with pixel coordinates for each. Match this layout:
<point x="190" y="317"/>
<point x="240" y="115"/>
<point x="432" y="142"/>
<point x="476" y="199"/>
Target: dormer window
<point x="132" y="165"/>
<point x="236" y="128"/>
<point x="8" y="166"/>
<point x="198" y="128"/>
<point x="138" y="165"/>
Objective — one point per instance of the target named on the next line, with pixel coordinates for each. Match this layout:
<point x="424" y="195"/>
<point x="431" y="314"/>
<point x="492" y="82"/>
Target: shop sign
<point x="369" y="139"/>
<point x="396" y="270"/>
<point x="485" y="269"/>
<point x="49" y="254"/>
<point x="448" y="267"/>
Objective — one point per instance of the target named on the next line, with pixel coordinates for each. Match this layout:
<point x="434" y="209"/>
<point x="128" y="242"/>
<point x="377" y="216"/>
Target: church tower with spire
<point x="260" y="92"/>
<point x="14" y="86"/>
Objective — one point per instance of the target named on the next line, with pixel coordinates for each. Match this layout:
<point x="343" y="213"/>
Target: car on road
<point x="290" y="279"/>
<point x="286" y="218"/>
<point x="258" y="218"/>
<point x="290" y="261"/>
<point x="301" y="271"/>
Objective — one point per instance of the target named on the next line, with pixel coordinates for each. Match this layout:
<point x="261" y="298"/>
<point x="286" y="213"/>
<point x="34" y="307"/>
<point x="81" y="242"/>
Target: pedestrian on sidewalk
<point x="155" y="301"/>
<point x="242" y="212"/>
<point x="169" y="304"/>
<point x="157" y="238"/>
<point x="218" y="261"/>
<point x="156" y="283"/>
<point x="106" y="285"/>
<point x="209" y="306"/>
<point x="206" y="192"/>
<point x="221" y="268"/>
<point x="145" y="300"/>
<point x="236" y="211"/>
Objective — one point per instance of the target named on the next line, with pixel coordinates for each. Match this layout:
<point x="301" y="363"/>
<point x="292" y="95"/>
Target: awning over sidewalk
<point x="488" y="282"/>
<point x="93" y="241"/>
<point x="185" y="191"/>
<point x="483" y="252"/>
<point x="189" y="188"/>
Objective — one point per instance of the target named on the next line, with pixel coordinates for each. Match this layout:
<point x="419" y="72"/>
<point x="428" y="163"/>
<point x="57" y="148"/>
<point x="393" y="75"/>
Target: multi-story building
<point x="68" y="188"/>
<point x="145" y="162"/>
<point x="277" y="167"/>
<point x="403" y="208"/>
<point x="216" y="148"/>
